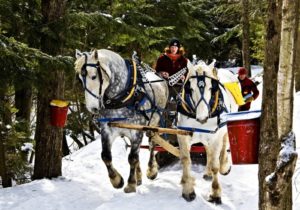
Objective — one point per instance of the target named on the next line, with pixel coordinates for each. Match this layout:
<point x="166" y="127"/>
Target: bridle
<point x="214" y="100"/>
<point x="84" y="74"/>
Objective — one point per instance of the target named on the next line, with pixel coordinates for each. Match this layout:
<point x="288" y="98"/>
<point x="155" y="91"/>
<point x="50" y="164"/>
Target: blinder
<point x="84" y="74"/>
<point x="201" y="85"/>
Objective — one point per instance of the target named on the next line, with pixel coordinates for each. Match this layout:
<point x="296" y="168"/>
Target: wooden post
<point x="153" y="134"/>
<point x="163" y="143"/>
<point x="150" y="128"/>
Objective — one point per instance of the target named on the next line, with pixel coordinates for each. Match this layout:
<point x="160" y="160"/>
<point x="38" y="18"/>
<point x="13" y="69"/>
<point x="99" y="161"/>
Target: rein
<point x="84" y="74"/>
<point x="200" y="130"/>
<point x="189" y="106"/>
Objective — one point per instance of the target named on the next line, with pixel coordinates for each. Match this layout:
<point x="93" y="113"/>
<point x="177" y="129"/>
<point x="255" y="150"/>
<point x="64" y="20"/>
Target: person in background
<point x="249" y="89"/>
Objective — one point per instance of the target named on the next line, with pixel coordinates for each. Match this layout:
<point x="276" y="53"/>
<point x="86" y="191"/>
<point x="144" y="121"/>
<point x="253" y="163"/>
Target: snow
<point x="27" y="147"/>
<point x="286" y="154"/>
<point x="245" y="115"/>
<point x="86" y="186"/>
<point x="287" y="148"/>
<point x="106" y="15"/>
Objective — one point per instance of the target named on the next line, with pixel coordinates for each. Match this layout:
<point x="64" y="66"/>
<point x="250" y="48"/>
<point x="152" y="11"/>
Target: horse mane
<point x="78" y="64"/>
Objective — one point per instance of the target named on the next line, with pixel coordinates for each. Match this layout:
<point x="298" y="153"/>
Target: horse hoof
<point x="189" y="197"/>
<point x="119" y="185"/>
<point x="207" y="177"/>
<point x="139" y="182"/>
<point x="215" y="200"/>
<point x="227" y="172"/>
<point x="129" y="189"/>
<point x="152" y="176"/>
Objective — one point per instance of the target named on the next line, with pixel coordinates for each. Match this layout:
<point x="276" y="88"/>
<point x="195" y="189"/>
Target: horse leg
<point x="114" y="176"/>
<point x="225" y="162"/>
<point x="138" y="174"/>
<point x="187" y="181"/>
<point x="152" y="164"/>
<point x="208" y="171"/>
<point x="215" y="196"/>
<point x="134" y="163"/>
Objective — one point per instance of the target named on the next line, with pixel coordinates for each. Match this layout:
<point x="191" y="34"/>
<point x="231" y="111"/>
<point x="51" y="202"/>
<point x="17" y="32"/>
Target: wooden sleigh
<point x="243" y="136"/>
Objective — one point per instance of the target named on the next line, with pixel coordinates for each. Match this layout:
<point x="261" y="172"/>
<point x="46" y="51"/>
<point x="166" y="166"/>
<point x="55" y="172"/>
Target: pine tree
<point x="246" y="36"/>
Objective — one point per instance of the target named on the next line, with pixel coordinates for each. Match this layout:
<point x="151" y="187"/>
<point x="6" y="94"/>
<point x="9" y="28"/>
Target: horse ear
<point x="212" y="64"/>
<point x="215" y="72"/>
<point x="95" y="54"/>
<point x="78" y="54"/>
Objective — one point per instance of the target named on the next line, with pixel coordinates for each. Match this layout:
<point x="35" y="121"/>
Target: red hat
<point x="242" y="71"/>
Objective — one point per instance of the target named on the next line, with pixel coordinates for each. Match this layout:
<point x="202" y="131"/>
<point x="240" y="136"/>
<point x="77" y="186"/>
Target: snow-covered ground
<point x="85" y="184"/>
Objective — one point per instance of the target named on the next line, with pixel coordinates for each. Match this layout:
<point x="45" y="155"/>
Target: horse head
<point x="203" y="84"/>
<point x="95" y="77"/>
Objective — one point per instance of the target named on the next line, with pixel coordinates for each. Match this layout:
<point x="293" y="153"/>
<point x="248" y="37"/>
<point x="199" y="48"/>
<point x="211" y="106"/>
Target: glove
<point x="250" y="99"/>
<point x="164" y="74"/>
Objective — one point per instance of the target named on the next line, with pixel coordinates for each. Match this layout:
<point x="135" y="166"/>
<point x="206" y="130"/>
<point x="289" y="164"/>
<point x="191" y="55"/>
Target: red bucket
<point x="244" y="140"/>
<point x="58" y="113"/>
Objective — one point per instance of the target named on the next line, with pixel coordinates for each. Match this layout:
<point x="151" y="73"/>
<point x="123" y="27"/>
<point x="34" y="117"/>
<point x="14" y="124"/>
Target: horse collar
<point x="125" y="97"/>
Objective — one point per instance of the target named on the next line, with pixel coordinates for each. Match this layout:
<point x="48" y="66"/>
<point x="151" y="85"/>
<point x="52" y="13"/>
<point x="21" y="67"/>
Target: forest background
<point x="37" y="46"/>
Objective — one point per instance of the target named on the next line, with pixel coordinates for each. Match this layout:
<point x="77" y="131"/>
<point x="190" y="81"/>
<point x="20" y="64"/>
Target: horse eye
<point x="94" y="77"/>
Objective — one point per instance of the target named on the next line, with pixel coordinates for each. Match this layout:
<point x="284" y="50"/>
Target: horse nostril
<point x="95" y="110"/>
<point x="94" y="77"/>
<point x="202" y="121"/>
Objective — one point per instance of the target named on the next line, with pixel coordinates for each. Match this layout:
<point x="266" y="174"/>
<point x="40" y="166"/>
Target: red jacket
<point x="248" y="87"/>
<point x="170" y="64"/>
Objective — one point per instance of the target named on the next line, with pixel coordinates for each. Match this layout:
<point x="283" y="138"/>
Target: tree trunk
<point x="285" y="75"/>
<point x="297" y="53"/>
<point x="65" y="147"/>
<point x="269" y="145"/>
<point x="285" y="99"/>
<point x="6" y="180"/>
<point x="49" y="138"/>
<point x="23" y="102"/>
<point x="276" y="192"/>
<point x="246" y="36"/>
<point x="6" y="120"/>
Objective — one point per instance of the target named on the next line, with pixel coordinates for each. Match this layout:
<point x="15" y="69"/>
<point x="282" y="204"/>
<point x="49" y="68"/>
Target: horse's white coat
<point x="115" y="74"/>
<point x="215" y="144"/>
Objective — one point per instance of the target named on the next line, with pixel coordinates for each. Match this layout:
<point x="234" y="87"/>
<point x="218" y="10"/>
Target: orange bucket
<point x="244" y="140"/>
<point x="58" y="113"/>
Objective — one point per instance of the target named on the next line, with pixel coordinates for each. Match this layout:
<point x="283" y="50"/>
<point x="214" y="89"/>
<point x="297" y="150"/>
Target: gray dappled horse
<point x="204" y="101"/>
<point x="115" y="92"/>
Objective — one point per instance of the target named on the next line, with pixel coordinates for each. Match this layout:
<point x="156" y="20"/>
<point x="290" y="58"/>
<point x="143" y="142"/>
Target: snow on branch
<point x="278" y="181"/>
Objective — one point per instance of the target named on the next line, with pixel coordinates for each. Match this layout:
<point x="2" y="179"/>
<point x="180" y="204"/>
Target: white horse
<point x="204" y="102"/>
<point x="114" y="91"/>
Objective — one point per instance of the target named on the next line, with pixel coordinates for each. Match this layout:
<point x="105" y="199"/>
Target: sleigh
<point x="139" y="101"/>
